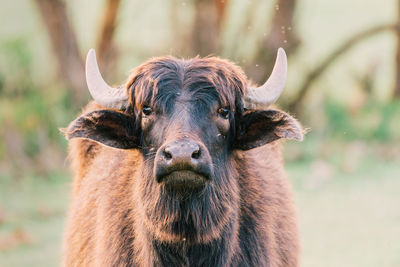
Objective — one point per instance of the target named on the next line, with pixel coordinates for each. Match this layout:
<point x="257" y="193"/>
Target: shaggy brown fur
<point x="120" y="216"/>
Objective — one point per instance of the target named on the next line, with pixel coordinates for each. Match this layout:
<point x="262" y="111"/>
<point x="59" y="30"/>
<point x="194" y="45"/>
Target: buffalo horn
<point x="101" y="92"/>
<point x="269" y="92"/>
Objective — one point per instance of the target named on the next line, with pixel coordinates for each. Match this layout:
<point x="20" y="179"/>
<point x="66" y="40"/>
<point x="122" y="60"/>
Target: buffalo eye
<point x="147" y="110"/>
<point x="224" y="113"/>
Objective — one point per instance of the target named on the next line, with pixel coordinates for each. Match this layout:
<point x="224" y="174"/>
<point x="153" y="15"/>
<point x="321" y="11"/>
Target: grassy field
<point x="32" y="214"/>
<point x="350" y="219"/>
<point x="347" y="217"/>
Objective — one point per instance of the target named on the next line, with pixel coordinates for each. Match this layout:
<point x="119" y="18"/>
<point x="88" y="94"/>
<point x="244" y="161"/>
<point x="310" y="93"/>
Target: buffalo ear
<point x="108" y="127"/>
<point x="259" y="127"/>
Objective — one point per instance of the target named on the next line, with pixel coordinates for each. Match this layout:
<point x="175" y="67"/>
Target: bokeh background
<point x="343" y="84"/>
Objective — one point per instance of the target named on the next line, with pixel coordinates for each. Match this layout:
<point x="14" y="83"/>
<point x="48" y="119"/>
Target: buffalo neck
<point x="183" y="231"/>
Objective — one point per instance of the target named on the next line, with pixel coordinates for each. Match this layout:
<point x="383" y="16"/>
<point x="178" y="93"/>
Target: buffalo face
<point x="186" y="134"/>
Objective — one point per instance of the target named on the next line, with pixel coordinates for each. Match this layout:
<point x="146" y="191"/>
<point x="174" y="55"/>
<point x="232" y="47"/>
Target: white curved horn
<point x="101" y="92"/>
<point x="270" y="91"/>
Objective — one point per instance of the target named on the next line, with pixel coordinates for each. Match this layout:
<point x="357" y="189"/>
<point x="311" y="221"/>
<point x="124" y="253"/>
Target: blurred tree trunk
<point x="281" y="34"/>
<point x="105" y="45"/>
<point x="208" y="18"/>
<point x="396" y="91"/>
<point x="65" y="47"/>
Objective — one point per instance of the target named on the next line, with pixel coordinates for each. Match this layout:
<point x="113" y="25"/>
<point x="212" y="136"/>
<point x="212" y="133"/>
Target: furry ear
<point x="257" y="128"/>
<point x="107" y="127"/>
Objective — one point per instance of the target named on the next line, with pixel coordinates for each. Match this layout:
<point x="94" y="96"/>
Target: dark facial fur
<point x="184" y="98"/>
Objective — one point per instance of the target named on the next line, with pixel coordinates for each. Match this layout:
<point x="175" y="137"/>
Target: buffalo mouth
<point x="184" y="179"/>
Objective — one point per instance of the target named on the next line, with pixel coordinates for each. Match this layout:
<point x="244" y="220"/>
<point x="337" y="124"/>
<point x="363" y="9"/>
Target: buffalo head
<point x="186" y="116"/>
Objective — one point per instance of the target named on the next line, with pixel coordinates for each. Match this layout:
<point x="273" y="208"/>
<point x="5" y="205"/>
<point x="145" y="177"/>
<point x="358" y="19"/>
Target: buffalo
<point x="182" y="166"/>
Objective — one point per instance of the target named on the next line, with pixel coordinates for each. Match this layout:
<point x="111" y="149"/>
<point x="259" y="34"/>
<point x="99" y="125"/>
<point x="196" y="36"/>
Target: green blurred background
<point x="343" y="84"/>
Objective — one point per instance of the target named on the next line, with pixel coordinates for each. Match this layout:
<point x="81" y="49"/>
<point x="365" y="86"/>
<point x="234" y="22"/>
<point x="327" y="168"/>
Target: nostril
<point x="196" y="154"/>
<point x="167" y="155"/>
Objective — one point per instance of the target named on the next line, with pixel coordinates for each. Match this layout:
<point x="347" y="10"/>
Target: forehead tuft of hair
<point x="162" y="78"/>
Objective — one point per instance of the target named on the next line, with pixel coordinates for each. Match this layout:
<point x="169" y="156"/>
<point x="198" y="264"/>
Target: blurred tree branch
<point x="65" y="46"/>
<point x="105" y="45"/>
<point x="320" y="69"/>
